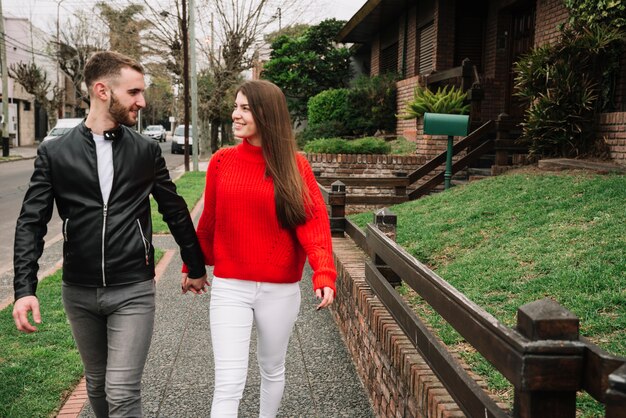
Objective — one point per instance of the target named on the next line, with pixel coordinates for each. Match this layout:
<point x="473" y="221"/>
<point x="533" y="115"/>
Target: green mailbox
<point x="450" y="125"/>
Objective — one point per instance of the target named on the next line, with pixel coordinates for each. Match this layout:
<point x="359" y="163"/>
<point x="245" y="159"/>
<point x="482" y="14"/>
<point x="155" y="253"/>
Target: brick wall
<point x="406" y="127"/>
<point x="549" y="14"/>
<point x="612" y="127"/>
<point x="399" y="382"/>
<point x="360" y="165"/>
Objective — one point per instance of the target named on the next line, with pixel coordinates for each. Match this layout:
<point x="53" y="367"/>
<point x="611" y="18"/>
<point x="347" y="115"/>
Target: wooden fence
<point x="543" y="357"/>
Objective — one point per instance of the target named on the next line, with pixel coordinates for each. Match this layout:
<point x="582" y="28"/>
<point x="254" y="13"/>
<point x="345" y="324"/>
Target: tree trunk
<point x="205" y="149"/>
<point x="215" y="129"/>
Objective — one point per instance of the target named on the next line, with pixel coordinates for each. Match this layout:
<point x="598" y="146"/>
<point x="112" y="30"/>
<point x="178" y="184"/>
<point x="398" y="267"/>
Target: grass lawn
<point x="39" y="370"/>
<point x="190" y="186"/>
<point x="513" y="239"/>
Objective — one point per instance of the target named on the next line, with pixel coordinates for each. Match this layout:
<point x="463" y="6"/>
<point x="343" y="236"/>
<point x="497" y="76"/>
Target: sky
<point x="43" y="13"/>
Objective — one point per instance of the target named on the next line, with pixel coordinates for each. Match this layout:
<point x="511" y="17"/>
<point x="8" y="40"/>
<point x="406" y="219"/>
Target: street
<point x="14" y="178"/>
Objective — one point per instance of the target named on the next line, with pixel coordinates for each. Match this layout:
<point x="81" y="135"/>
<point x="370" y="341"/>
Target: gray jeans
<point x="112" y="327"/>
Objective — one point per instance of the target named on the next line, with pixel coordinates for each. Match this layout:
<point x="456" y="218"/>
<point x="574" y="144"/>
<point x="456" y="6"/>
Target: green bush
<point x="372" y="101"/>
<point x="328" y="105"/>
<point x="367" y="145"/>
<point x="402" y="146"/>
<point x="330" y="129"/>
<point x="364" y="109"/>
<point x="566" y="85"/>
<point x="449" y="100"/>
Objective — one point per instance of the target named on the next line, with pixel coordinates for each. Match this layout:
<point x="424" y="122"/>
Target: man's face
<point x="127" y="97"/>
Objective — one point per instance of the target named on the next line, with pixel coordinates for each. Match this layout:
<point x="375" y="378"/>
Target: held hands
<point x="327" y="295"/>
<point x="197" y="286"/>
<point x="20" y="313"/>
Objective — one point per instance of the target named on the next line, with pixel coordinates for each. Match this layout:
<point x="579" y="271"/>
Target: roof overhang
<point x="369" y="20"/>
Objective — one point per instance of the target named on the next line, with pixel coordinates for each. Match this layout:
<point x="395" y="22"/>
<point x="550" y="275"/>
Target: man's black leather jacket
<point x="104" y="245"/>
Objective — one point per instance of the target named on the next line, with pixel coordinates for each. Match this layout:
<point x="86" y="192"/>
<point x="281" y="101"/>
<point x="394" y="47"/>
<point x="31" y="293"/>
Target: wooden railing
<point x="544" y="357"/>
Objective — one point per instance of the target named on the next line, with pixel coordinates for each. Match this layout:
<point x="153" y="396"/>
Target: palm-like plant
<point x="449" y="100"/>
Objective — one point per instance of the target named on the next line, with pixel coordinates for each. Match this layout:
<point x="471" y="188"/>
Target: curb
<point x="17" y="158"/>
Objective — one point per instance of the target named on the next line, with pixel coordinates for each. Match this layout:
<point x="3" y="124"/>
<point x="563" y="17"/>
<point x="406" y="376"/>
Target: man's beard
<point x="119" y="113"/>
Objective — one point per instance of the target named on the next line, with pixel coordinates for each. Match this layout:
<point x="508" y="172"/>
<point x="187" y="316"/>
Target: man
<point x="100" y="175"/>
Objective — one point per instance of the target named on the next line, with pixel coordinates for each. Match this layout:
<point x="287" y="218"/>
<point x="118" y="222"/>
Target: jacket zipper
<point x="104" y="224"/>
<point x="145" y="242"/>
<point x="65" y="237"/>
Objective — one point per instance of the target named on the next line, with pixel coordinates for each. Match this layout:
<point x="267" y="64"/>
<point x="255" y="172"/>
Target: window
<point x="426" y="39"/>
<point x="389" y="59"/>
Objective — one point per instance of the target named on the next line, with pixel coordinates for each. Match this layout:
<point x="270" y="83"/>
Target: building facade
<point x="426" y="37"/>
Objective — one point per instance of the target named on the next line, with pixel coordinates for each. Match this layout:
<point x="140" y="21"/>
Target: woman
<point x="263" y="216"/>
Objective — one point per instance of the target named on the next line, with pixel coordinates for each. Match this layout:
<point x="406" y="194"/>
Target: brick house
<point x="420" y="38"/>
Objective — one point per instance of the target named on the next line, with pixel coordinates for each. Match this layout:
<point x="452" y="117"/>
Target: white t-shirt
<point x="104" y="151"/>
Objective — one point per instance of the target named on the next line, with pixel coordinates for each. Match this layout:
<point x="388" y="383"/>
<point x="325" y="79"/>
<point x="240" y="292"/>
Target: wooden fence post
<point x="400" y="190"/>
<point x="545" y="319"/>
<point x="616" y="394"/>
<point x="337" y="202"/>
<point x="386" y="221"/>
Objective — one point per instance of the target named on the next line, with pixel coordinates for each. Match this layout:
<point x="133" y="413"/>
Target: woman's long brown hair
<point x="271" y="116"/>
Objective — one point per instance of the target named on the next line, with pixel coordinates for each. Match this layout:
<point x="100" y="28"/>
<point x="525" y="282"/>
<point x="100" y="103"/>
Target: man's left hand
<point x="197" y="286"/>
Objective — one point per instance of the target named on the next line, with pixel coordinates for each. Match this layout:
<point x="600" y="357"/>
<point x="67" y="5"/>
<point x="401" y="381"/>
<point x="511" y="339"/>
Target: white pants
<point x="235" y="305"/>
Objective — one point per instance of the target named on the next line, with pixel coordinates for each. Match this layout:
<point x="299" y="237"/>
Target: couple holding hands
<point x="263" y="217"/>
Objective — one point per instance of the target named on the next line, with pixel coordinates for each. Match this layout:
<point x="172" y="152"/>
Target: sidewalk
<point x="29" y="151"/>
<point x="178" y="379"/>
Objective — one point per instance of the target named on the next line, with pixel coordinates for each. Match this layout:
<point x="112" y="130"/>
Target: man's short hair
<point x="104" y="64"/>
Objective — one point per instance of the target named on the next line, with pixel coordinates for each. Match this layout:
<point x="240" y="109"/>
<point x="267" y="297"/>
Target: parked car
<point x="62" y="126"/>
<point x="156" y="132"/>
<point x="178" y="140"/>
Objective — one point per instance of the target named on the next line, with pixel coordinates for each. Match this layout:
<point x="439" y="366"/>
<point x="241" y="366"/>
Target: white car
<point x="63" y="126"/>
<point x="156" y="132"/>
<point x="178" y="140"/>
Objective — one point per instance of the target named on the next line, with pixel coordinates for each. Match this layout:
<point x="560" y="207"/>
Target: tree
<point x="163" y="39"/>
<point x="78" y="40"/>
<point x="241" y="23"/>
<point x="159" y="101"/>
<point x="35" y="81"/>
<point x="305" y="65"/>
<point x="124" y="28"/>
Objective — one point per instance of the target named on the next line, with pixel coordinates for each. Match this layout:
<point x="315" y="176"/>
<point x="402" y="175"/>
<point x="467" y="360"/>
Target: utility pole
<point x="61" y="108"/>
<point x="194" y="86"/>
<point x="185" y="36"/>
<point x="5" y="88"/>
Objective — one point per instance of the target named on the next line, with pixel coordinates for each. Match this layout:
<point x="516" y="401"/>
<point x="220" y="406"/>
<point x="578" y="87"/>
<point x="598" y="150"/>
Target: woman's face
<point x="243" y="122"/>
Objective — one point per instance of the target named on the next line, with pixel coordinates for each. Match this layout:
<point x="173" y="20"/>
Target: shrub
<point x="372" y="101"/>
<point x="402" y="146"/>
<point x="329" y="105"/>
<point x="566" y="85"/>
<point x="367" y="145"/>
<point x="449" y="100"/>
<point x="330" y="129"/>
<point x="364" y="109"/>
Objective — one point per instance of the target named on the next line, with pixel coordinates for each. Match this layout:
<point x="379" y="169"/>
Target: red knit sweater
<point x="240" y="234"/>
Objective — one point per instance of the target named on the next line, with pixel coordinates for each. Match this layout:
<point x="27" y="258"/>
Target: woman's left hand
<point x="327" y="295"/>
